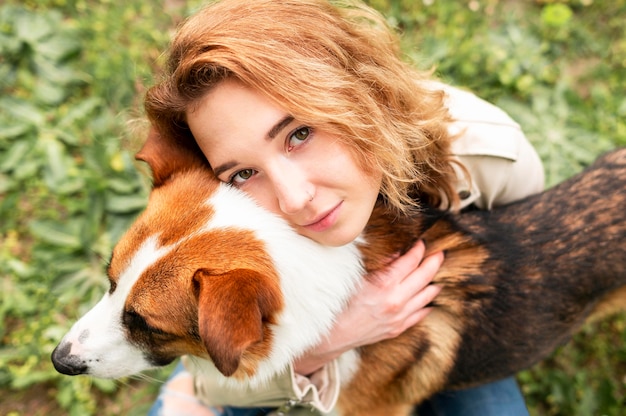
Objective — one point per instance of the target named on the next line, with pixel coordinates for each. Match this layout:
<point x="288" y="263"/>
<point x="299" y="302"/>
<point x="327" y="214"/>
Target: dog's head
<point x="205" y="271"/>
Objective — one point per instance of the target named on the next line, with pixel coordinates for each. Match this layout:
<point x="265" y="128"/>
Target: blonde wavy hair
<point x="335" y="67"/>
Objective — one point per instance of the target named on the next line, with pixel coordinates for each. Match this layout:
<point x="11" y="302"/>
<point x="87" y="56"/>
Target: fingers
<point x="424" y="273"/>
<point x="410" y="321"/>
<point x="421" y="301"/>
<point x="405" y="266"/>
<point x="414" y="292"/>
<point x="412" y="311"/>
<point x="400" y="267"/>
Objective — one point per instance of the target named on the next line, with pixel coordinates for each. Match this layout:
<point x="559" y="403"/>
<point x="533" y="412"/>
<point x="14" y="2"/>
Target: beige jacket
<point x="503" y="166"/>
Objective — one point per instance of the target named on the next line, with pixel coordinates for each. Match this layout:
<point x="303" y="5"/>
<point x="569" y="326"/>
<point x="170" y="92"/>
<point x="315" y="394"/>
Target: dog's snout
<point x="65" y="362"/>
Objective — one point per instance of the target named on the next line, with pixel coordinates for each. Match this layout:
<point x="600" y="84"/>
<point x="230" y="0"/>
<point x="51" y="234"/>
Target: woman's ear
<point x="167" y="155"/>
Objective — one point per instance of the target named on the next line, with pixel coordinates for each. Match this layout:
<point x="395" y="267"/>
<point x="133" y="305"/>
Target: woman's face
<point x="302" y="174"/>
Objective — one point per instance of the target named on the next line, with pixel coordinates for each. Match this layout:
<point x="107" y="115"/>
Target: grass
<point x="73" y="73"/>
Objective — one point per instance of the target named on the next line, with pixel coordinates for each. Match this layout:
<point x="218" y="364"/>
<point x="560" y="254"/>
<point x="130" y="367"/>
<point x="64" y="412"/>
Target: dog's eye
<point x="135" y="321"/>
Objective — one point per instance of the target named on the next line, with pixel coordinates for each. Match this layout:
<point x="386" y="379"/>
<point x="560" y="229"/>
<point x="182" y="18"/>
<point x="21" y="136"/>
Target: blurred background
<point x="72" y="78"/>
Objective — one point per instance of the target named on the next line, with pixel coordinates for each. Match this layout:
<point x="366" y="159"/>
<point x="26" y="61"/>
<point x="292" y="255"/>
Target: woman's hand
<point x="387" y="304"/>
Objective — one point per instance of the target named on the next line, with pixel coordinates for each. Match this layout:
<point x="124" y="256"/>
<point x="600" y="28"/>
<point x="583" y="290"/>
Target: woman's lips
<point x="325" y="221"/>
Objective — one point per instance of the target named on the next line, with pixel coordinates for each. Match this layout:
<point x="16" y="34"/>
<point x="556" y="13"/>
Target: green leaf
<point x="57" y="162"/>
<point x="124" y="204"/>
<point x="58" y="48"/>
<point x="14" y="155"/>
<point x="15" y="298"/>
<point x="59" y="74"/>
<point x="5" y="185"/>
<point x="18" y="268"/>
<point x="63" y="235"/>
<point x="22" y="111"/>
<point x="29" y="169"/>
<point x="80" y="111"/>
<point x="105" y="385"/>
<point x="71" y="185"/>
<point x="123" y="185"/>
<point x="50" y="93"/>
<point x="12" y="131"/>
<point x="31" y="27"/>
<point x="32" y="377"/>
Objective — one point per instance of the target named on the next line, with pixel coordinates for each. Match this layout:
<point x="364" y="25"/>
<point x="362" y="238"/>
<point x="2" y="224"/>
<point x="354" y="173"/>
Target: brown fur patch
<point x="234" y="311"/>
<point x="171" y="215"/>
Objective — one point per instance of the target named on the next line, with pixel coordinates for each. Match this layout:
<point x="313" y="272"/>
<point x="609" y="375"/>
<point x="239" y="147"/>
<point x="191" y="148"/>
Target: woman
<point x="308" y="108"/>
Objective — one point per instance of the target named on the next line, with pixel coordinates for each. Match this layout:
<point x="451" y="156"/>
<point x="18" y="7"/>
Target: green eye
<point x="299" y="136"/>
<point x="245" y="174"/>
<point x="241" y="176"/>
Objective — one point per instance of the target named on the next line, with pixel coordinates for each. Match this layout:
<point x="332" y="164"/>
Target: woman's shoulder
<point x="502" y="163"/>
<point x="480" y="127"/>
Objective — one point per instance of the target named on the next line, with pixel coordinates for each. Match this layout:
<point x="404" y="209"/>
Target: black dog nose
<point x="66" y="363"/>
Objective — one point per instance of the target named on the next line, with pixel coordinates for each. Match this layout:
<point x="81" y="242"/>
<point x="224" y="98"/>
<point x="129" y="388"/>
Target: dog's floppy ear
<point x="167" y="155"/>
<point x="232" y="309"/>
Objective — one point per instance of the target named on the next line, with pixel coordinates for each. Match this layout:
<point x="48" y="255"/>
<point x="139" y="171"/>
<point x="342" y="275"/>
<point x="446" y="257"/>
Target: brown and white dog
<point x="204" y="271"/>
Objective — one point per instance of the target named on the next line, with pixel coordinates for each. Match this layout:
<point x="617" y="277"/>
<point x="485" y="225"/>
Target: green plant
<point x="71" y="189"/>
<point x="72" y="78"/>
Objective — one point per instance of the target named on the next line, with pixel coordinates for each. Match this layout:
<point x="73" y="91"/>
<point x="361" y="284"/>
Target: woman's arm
<point x="389" y="302"/>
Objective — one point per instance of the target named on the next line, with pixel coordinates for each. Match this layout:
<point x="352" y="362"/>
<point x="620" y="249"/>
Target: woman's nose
<point x="293" y="190"/>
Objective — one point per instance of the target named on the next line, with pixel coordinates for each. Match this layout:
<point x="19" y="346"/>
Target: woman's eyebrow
<point x="218" y="170"/>
<point x="284" y="122"/>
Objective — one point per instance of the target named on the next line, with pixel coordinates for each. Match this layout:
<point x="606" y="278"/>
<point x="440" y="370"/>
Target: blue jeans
<point x="499" y="398"/>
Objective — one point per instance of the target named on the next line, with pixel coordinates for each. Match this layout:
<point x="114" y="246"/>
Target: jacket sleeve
<point x="502" y="164"/>
<point x="288" y="392"/>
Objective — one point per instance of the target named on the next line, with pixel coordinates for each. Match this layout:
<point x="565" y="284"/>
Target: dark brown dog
<point x="518" y="282"/>
<point x="190" y="278"/>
